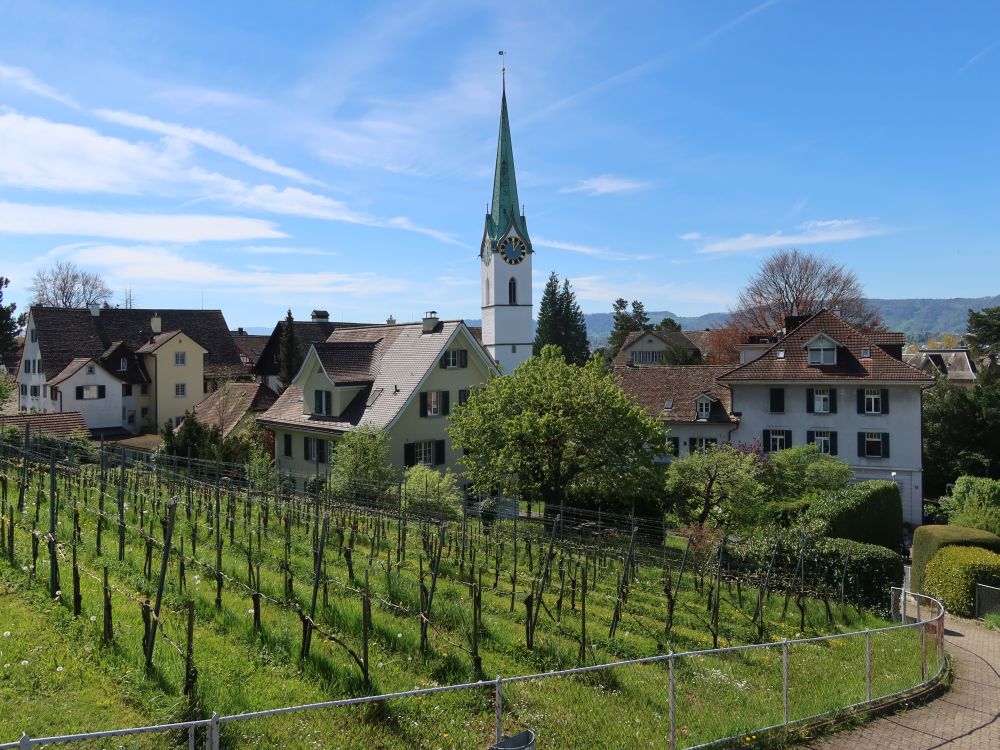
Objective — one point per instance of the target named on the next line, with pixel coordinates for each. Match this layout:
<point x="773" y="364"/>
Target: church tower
<point x="506" y="262"/>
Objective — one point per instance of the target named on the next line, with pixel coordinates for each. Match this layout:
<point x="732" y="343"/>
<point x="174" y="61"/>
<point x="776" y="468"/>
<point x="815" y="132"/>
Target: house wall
<point x="684" y="431"/>
<point x="902" y="423"/>
<point x="167" y="375"/>
<point x="100" y="412"/>
<point x="646" y="344"/>
<point x="32" y="353"/>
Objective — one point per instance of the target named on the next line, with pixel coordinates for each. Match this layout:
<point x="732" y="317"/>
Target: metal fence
<point x="987" y="600"/>
<point x="694" y="699"/>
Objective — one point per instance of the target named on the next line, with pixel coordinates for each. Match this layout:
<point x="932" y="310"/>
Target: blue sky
<point x="340" y="155"/>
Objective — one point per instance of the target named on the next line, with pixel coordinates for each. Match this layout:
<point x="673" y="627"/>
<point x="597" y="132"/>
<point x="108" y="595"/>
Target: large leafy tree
<point x="668" y="324"/>
<point x="802" y="471"/>
<point x="289" y="355"/>
<point x="791" y="282"/>
<point x="551" y="429"/>
<point x="561" y="322"/>
<point x="67" y="285"/>
<point x="721" y="487"/>
<point x="984" y="334"/>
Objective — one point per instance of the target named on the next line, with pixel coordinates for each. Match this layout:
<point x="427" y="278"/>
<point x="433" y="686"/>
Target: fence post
<point x="213" y="732"/>
<point x="868" y="663"/>
<point x="923" y="653"/>
<point x="499" y="701"/>
<point x="784" y="680"/>
<point x="25" y="742"/>
<point x="672" y="703"/>
<point x="191" y="738"/>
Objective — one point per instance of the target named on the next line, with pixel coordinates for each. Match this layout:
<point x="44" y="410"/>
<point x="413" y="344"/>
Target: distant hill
<point x="919" y="319"/>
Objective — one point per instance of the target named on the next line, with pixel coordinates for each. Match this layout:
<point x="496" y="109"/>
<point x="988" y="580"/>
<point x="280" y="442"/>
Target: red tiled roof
<point x="653" y="387"/>
<point x="851" y="366"/>
<point x="61" y="424"/>
<point x="227" y="406"/>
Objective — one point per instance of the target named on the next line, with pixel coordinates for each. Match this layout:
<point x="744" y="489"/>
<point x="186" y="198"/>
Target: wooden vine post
<point x="167" y="538"/>
<point x="53" y="517"/>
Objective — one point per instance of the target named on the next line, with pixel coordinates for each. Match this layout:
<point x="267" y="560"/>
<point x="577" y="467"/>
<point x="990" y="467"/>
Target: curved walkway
<point x="965" y="718"/>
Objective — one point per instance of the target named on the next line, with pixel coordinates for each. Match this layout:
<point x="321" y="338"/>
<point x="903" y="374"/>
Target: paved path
<point x="965" y="718"/>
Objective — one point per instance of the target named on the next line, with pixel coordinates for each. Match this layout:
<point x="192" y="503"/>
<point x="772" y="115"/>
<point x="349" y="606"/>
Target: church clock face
<point x="486" y="253"/>
<point x="513" y="250"/>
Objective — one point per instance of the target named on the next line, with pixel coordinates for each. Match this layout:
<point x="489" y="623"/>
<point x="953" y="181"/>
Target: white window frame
<point x="35" y="391"/>
<point x="821" y="400"/>
<point x="180" y="359"/>
<point x="823" y="441"/>
<point x="873" y="400"/>
<point x="866" y="352"/>
<point x="180" y="390"/>
<point x="91" y="392"/>
<point x="704" y="407"/>
<point x="873" y="438"/>
<point x="825" y="354"/>
<point x="646" y="357"/>
<point x="433" y="403"/>
<point x="122" y="364"/>
<point x="777" y="440"/>
<point x="452" y="359"/>
<point x="177" y="421"/>
<point x="423" y="452"/>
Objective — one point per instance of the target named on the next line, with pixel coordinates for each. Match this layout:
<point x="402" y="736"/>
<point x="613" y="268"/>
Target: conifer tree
<point x="289" y="356"/>
<point x="625" y="322"/>
<point x="561" y="322"/>
<point x="547" y="329"/>
<point x="8" y="323"/>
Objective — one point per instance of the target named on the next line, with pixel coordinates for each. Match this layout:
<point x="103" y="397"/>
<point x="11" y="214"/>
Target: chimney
<point x="95" y="309"/>
<point x="156" y="324"/>
<point x="430" y="321"/>
<point x="390" y="321"/>
<point x="240" y="331"/>
<point x="320" y="316"/>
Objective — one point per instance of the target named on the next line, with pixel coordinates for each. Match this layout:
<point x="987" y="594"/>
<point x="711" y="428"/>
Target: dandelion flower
<point x="7" y="665"/>
<point x="93" y="618"/>
<point x="6" y="634"/>
<point x="24" y="662"/>
<point x="59" y="669"/>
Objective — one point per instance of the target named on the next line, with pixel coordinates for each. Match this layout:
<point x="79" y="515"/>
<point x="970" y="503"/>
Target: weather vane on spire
<point x="503" y="68"/>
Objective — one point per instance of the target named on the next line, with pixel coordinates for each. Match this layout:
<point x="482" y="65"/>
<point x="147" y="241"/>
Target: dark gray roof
<point x="65" y="334"/>
<point x="307" y="333"/>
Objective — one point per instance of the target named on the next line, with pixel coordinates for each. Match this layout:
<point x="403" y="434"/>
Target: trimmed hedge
<point x="869" y="512"/>
<point x="952" y="575"/>
<point x="927" y="540"/>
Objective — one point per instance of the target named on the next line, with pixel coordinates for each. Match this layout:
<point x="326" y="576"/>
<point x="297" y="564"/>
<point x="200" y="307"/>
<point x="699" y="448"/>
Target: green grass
<point x="242" y="670"/>
<point x="992" y="620"/>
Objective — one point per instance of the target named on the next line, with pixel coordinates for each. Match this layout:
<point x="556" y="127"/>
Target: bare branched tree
<point x="67" y="285"/>
<point x="791" y="282"/>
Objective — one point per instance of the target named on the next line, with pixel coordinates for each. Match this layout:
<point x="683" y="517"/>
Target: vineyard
<point x="135" y="592"/>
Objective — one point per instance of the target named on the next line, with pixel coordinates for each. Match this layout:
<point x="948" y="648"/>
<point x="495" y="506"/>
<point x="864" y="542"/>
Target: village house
<point x="955" y="364"/>
<point x="402" y="378"/>
<point x="657" y="348"/>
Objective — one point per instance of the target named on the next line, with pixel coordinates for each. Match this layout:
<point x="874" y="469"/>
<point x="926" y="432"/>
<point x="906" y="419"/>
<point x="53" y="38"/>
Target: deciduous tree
<point x="719" y="487"/>
<point x="9" y="327"/>
<point x="67" y="285"/>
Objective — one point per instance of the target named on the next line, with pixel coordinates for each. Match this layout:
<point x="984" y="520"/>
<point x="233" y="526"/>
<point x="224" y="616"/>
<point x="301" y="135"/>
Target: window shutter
<point x="318" y="402"/>
<point x="79" y="393"/>
<point x="692" y="445"/>
<point x="423" y="406"/>
<point x="833" y="400"/>
<point x="810" y="400"/>
<point x="444" y="361"/>
<point x="833" y="443"/>
<point x="463" y="395"/>
<point x="767" y="441"/>
<point x="463" y="358"/>
<point x="885" y="445"/>
<point x="861" y="445"/>
<point x="101" y="391"/>
<point x="321" y="451"/>
<point x="438" y="452"/>
<point x="329" y="404"/>
<point x="305" y="448"/>
<point x="885" y="400"/>
<point x="409" y="454"/>
<point x="288" y="445"/>
<point x="675" y="446"/>
<point x="777" y="400"/>
<point x="788" y="438"/>
<point x="861" y="402"/>
<point x="810" y="437"/>
<point x="445" y="403"/>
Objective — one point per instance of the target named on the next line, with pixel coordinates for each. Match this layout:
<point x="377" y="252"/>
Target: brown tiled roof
<point x="794" y="365"/>
<point x="60" y="424"/>
<point x="227" y="406"/>
<point x="670" y="338"/>
<point x="887" y="338"/>
<point x="70" y="370"/>
<point x="701" y="339"/>
<point x="347" y="362"/>
<point x="252" y="345"/>
<point x="653" y="387"/>
<point x="66" y="333"/>
<point x="135" y="370"/>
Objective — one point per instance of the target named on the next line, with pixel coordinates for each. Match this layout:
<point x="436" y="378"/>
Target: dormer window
<point x="668" y="404"/>
<point x="323" y="403"/>
<point x="822" y="351"/>
<point x="780" y="354"/>
<point x="122" y="364"/>
<point x="704" y="408"/>
<point x="866" y="352"/>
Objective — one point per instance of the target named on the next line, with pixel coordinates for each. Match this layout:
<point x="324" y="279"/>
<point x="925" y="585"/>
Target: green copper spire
<point x="505" y="207"/>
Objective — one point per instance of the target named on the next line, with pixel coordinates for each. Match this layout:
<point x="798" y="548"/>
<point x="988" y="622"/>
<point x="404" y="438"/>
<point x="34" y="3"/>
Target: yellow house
<point x="176" y="366"/>
<point x="403" y="378"/>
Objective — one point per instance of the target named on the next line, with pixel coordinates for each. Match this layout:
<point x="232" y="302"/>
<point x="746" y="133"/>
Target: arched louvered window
<point x="512" y="292"/>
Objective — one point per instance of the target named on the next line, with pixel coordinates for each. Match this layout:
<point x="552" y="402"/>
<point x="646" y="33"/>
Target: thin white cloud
<point x="268" y="250"/>
<point x="24" y="219"/>
<point x="26" y="81"/>
<point x="978" y="56"/>
<point x="401" y="222"/>
<point x="206" y="139"/>
<point x="738" y="21"/>
<point x="807" y="233"/>
<point x="594" y="252"/>
<point x="606" y="184"/>
<point x="197" y="97"/>
<point x="689" y="236"/>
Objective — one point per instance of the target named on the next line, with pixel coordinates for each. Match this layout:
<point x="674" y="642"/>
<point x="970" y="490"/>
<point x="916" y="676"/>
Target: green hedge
<point x="927" y="540"/>
<point x="952" y="575"/>
<point x="869" y="512"/>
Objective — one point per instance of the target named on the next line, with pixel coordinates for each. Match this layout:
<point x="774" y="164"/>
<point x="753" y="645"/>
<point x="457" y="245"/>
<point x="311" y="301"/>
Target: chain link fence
<point x="686" y="700"/>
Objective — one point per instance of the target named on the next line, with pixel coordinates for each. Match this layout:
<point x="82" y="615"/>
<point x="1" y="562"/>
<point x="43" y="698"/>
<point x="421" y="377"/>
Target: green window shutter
<point x="409" y="454"/>
<point x="288" y="446"/>
<point x="101" y="391"/>
<point x="438" y="452"/>
<point x="777" y="400"/>
<point x="885" y="400"/>
<point x="810" y="437"/>
<point x="445" y="403"/>
<point x="861" y="400"/>
<point x="885" y="445"/>
<point x="320" y="451"/>
<point x="767" y="441"/>
<point x="463" y="395"/>
<point x="463" y="358"/>
<point x="674" y="446"/>
<point x="79" y="393"/>
<point x="444" y="361"/>
<point x="833" y="443"/>
<point x="305" y="448"/>
<point x="810" y="400"/>
<point x="861" y="445"/>
<point x="833" y="400"/>
<point x="692" y="445"/>
<point x="788" y="438"/>
<point x="423" y="405"/>
<point x="318" y="402"/>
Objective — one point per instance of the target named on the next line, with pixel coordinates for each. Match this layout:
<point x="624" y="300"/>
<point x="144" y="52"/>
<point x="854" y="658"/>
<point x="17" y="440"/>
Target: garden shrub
<point x="785" y="513"/>
<point x="975" y="502"/>
<point x="952" y="574"/>
<point x="869" y="512"/>
<point x="928" y="539"/>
